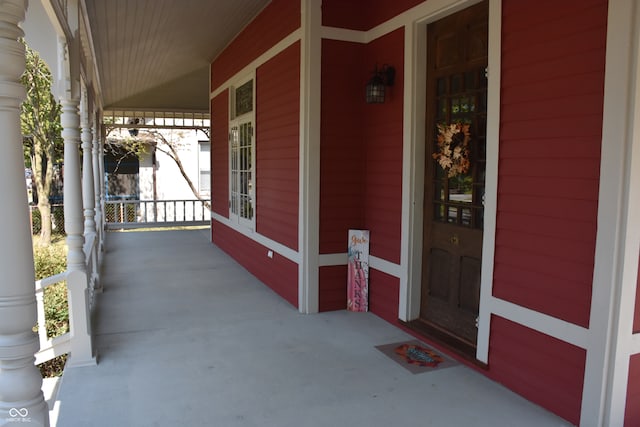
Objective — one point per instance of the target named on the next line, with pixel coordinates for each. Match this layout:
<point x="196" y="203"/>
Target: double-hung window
<point x="242" y="155"/>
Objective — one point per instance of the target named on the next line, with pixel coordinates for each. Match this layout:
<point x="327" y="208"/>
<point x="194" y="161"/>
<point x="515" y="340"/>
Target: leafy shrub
<point x="48" y="261"/>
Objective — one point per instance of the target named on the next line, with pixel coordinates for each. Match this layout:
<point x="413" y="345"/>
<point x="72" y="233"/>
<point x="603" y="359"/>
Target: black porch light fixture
<point x="134" y="132"/>
<point x="376" y="85"/>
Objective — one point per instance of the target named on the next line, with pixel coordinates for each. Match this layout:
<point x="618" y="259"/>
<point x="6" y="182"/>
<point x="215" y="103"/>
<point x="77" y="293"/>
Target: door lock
<point x="455" y="240"/>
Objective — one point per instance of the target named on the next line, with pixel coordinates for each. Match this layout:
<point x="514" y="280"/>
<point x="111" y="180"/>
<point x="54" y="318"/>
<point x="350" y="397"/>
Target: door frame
<point x="413" y="179"/>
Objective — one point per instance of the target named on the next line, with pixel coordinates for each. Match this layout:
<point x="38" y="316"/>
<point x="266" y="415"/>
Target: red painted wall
<point x="543" y="369"/>
<point x="632" y="413"/>
<point x="278" y="272"/>
<point x="279" y="19"/>
<point x="361" y="164"/>
<point x="342" y="153"/>
<point x="384" y="295"/>
<point x="362" y="14"/>
<point x="277" y="147"/>
<point x="220" y="154"/>
<point x="382" y="131"/>
<point x="333" y="288"/>
<point x="550" y="134"/>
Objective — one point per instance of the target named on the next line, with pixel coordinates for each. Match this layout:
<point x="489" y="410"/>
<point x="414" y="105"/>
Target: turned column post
<point x="79" y="316"/>
<point x="88" y="198"/>
<point x="21" y="398"/>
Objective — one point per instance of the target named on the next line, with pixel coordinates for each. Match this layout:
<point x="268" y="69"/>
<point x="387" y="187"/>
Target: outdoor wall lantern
<point x="376" y="86"/>
<point x="134" y="132"/>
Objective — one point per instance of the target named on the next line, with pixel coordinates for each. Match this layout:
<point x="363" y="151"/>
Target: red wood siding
<point x="636" y="318"/>
<point x="543" y="369"/>
<point x="362" y="14"/>
<point x="279" y="273"/>
<point x="632" y="412"/>
<point x="279" y="19"/>
<point x="333" y="288"/>
<point x="220" y="154"/>
<point x="342" y="155"/>
<point x="384" y="295"/>
<point x="550" y="135"/>
<point x="383" y="145"/>
<point x="277" y="147"/>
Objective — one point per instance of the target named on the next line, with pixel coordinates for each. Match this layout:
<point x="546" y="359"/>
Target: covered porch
<point x="186" y="336"/>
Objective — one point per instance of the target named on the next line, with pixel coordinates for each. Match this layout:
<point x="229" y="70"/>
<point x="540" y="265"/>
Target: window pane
<point x="244" y="98"/>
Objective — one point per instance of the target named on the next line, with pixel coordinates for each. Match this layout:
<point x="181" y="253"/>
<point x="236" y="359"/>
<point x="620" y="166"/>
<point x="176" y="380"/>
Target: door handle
<point x="454" y="240"/>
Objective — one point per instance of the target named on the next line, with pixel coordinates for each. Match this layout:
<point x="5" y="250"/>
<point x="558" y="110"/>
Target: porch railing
<point x="156" y="213"/>
<point x="81" y="290"/>
<point x="49" y="347"/>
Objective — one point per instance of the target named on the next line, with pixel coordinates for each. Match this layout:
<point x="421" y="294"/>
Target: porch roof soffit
<point x="154" y="55"/>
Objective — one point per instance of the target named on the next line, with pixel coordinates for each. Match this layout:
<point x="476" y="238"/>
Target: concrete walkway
<point x="186" y="337"/>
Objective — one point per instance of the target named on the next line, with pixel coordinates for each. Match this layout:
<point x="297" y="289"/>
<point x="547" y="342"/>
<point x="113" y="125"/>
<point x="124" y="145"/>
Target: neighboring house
<point x="524" y="261"/>
<point x="156" y="175"/>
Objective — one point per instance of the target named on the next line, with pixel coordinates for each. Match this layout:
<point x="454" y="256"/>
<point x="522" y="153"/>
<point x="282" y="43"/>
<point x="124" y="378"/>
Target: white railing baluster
<point x="136" y="213"/>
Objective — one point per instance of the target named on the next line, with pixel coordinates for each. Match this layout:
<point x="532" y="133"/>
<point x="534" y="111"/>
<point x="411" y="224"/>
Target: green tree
<point x="40" y="121"/>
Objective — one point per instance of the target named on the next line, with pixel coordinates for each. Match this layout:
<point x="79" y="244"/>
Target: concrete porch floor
<point x="186" y="337"/>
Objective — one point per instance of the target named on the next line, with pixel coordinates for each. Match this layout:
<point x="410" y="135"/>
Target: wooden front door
<point x="455" y="173"/>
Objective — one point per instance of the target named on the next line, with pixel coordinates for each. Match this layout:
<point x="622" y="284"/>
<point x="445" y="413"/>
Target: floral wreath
<point x="453" y="148"/>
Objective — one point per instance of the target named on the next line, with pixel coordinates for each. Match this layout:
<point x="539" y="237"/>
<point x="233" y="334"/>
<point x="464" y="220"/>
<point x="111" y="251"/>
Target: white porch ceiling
<point x="155" y="54"/>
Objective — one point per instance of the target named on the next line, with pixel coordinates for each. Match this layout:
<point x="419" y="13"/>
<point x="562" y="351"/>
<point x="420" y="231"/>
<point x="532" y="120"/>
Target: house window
<point x="242" y="155"/>
<point x="204" y="162"/>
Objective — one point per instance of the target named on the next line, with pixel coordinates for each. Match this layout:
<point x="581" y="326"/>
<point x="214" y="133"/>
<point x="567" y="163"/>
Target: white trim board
<point x="330" y="260"/>
<point x="613" y="294"/>
<point x="309" y="158"/>
<point x="428" y="11"/>
<point x="491" y="181"/>
<point x="278" y="248"/>
<point x="556" y="328"/>
<point x="260" y="60"/>
<point x="377" y="263"/>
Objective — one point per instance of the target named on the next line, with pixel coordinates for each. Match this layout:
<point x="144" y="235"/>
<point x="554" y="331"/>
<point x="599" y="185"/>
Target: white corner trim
<point x="279" y="248"/>
<point x="554" y="327"/>
<point x="387" y="267"/>
<point x="309" y="157"/>
<point x="612" y="308"/>
<point x="251" y="67"/>
<point x="330" y="260"/>
<point x="413" y="169"/>
<point x="491" y="180"/>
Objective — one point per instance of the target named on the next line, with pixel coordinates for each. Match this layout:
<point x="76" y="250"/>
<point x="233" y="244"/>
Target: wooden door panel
<point x="454" y="192"/>
<point x="439" y="273"/>
<point x="469" y="284"/>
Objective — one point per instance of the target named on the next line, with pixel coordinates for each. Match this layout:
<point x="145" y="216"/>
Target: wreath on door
<point x="453" y="148"/>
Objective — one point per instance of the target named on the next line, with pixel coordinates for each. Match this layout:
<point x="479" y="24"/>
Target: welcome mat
<point x="416" y="357"/>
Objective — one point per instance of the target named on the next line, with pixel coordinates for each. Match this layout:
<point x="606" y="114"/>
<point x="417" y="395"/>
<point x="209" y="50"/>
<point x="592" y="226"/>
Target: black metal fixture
<point x="134" y="132"/>
<point x="376" y="86"/>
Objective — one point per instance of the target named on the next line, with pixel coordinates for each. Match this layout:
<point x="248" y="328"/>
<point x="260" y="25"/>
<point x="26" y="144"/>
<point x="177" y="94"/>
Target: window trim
<point x="236" y="121"/>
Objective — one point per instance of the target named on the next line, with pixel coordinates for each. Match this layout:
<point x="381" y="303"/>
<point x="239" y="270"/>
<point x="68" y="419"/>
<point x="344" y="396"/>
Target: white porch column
<point x="88" y="198"/>
<point x="79" y="319"/>
<point x="21" y="397"/>
<point x="618" y="237"/>
<point x="97" y="187"/>
<point x="103" y="189"/>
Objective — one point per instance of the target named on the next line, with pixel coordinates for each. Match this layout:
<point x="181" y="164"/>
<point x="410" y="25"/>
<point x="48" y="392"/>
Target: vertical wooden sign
<point x="358" y="271"/>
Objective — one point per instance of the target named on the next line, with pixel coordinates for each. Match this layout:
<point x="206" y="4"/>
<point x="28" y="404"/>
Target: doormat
<point x="416" y="357"/>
